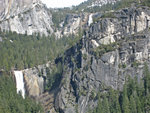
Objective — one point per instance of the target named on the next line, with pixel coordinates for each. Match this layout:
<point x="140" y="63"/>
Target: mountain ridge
<point x="106" y="48"/>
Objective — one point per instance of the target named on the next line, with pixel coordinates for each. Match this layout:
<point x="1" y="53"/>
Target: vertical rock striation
<point x="25" y="16"/>
<point x="111" y="49"/>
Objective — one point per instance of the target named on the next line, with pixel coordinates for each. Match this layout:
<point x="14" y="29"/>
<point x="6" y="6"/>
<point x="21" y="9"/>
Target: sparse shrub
<point x="108" y="15"/>
<point x="85" y="56"/>
<point x="102" y="49"/>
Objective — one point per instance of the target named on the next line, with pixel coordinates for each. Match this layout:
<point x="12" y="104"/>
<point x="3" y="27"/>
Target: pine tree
<point x="146" y="79"/>
<point x="106" y="105"/>
<point x="138" y="104"/>
<point x="125" y="101"/>
<point x="99" y="108"/>
<point x="132" y="105"/>
<point x="117" y="105"/>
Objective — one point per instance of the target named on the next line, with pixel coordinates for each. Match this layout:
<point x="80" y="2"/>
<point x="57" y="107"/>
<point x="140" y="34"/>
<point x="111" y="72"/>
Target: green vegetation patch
<point x="108" y="15"/>
<point x="11" y="102"/>
<point x="102" y="49"/>
<point x="22" y="51"/>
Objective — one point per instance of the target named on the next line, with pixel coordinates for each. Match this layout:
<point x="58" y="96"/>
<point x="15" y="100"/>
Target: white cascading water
<point x="90" y="19"/>
<point x="20" y="83"/>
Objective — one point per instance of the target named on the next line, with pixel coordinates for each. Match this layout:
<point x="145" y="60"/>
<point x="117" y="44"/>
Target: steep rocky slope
<point x="36" y="80"/>
<point x="115" y="45"/>
<point x="32" y="16"/>
<point x="25" y="16"/>
<point x="72" y="24"/>
<point x="111" y="49"/>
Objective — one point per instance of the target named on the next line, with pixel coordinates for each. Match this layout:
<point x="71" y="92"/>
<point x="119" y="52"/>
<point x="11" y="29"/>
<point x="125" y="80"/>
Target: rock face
<point x="125" y="22"/>
<point x="25" y="16"/>
<point x="72" y="24"/>
<point x="14" y="7"/>
<point x="1" y="39"/>
<point x="112" y="48"/>
<point x="34" y="84"/>
<point x="34" y="79"/>
<point x="88" y="69"/>
<point x="102" y="2"/>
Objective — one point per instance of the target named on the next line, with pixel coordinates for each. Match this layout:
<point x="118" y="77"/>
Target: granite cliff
<point x="113" y="46"/>
<point x="111" y="49"/>
<point x="25" y="16"/>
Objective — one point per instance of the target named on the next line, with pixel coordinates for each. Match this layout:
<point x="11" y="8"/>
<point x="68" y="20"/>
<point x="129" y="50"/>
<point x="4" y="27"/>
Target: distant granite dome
<point x="25" y="16"/>
<point x="13" y="7"/>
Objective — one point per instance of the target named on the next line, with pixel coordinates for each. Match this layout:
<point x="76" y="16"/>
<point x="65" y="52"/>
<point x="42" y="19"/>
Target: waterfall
<point x="20" y="83"/>
<point x="90" y="19"/>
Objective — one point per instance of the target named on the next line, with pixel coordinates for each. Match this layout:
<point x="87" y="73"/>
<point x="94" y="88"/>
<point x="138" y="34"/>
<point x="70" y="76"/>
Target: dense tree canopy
<point x="23" y="51"/>
<point x="11" y="102"/>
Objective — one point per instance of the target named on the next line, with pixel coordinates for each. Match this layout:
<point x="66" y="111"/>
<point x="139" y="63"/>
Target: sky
<point x="61" y="3"/>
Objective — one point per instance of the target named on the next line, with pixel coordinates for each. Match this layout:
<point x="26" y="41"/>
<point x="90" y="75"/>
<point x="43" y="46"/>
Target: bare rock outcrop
<point x="111" y="49"/>
<point x="33" y="83"/>
<point x="25" y="16"/>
